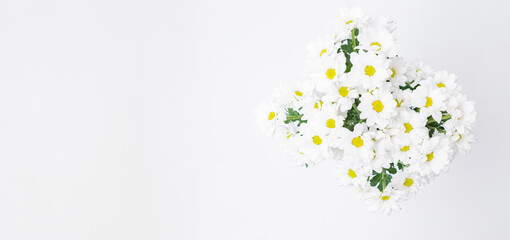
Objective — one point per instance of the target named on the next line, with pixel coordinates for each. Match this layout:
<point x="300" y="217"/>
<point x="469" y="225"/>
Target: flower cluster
<point x="391" y="126"/>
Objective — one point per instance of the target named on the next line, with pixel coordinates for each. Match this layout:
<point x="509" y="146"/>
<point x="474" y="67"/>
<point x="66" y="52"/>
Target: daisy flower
<point x="269" y="118"/>
<point x="385" y="202"/>
<point x="327" y="121"/>
<point x="351" y="18"/>
<point x="398" y="69"/>
<point x="322" y="47"/>
<point x="343" y="95"/>
<point x="410" y="126"/>
<point x="378" y="107"/>
<point x="378" y="40"/>
<point x="462" y="112"/>
<point x="328" y="71"/>
<point x="369" y="70"/>
<point x="358" y="143"/>
<point x="418" y="70"/>
<point x="434" y="156"/>
<point x="408" y="182"/>
<point x="448" y="81"/>
<point x="430" y="100"/>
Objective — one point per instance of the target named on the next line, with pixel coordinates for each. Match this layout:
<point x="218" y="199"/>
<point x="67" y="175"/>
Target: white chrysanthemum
<point x="383" y="146"/>
<point x="448" y="81"/>
<point x="268" y="118"/>
<point x="462" y="112"/>
<point x="369" y="70"/>
<point x="408" y="182"/>
<point x="378" y="107"/>
<point x="293" y="93"/>
<point x="378" y="40"/>
<point x="343" y="95"/>
<point x="351" y="18"/>
<point x="352" y="173"/>
<point x="410" y="126"/>
<point x="418" y="70"/>
<point x="328" y="71"/>
<point x="398" y="69"/>
<point x="385" y="202"/>
<point x="317" y="145"/>
<point x="430" y="99"/>
<point x="322" y="47"/>
<point x="463" y="141"/>
<point x="327" y="121"/>
<point x="434" y="156"/>
<point x="358" y="143"/>
<point x="382" y="23"/>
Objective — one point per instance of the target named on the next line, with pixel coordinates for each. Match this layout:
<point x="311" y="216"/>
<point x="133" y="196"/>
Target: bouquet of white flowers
<point x="391" y="126"/>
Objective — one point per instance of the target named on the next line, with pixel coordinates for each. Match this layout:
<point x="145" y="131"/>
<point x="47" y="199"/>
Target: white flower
<point x="316" y="144"/>
<point x="377" y="107"/>
<point x="443" y="79"/>
<point x="378" y="40"/>
<point x="430" y="100"/>
<point x="327" y="121"/>
<point x="343" y="95"/>
<point x="351" y="172"/>
<point x="268" y="118"/>
<point x="398" y="69"/>
<point x="369" y="70"/>
<point x="385" y="202"/>
<point x="351" y="18"/>
<point x="462" y="112"/>
<point x="358" y="143"/>
<point x="322" y="47"/>
<point x="328" y="71"/>
<point x="418" y="70"/>
<point x="410" y="126"/>
<point x="434" y="156"/>
<point x="408" y="182"/>
<point x="463" y="141"/>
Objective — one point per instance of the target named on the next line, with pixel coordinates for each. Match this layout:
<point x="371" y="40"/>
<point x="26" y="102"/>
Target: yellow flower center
<point x="384" y="198"/>
<point x="440" y="85"/>
<point x="330" y="123"/>
<point x="289" y="135"/>
<point x="344" y="91"/>
<point x="405" y="149"/>
<point x="429" y="102"/>
<point x="352" y="173"/>
<point x="369" y="71"/>
<point x="317" y="140"/>
<point x="358" y="142"/>
<point x="272" y="115"/>
<point x="408" y="127"/>
<point x="376" y="44"/>
<point x="322" y="52"/>
<point x="318" y="104"/>
<point x="430" y="156"/>
<point x="298" y="93"/>
<point x="350" y="21"/>
<point x="378" y="106"/>
<point x="408" y="182"/>
<point x="399" y="103"/>
<point x="460" y="137"/>
<point x="331" y="73"/>
<point x="393" y="72"/>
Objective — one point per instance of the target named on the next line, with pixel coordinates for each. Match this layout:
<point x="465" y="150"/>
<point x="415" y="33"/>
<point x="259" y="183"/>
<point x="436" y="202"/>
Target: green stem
<point x="353" y="39"/>
<point x="383" y="174"/>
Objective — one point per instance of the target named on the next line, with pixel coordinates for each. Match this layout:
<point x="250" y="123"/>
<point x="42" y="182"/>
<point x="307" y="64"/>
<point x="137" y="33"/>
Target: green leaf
<point x="294" y="116"/>
<point x="353" y="116"/>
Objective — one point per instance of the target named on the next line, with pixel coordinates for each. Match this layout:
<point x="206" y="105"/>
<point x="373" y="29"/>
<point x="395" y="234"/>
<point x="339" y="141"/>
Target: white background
<point x="133" y="120"/>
